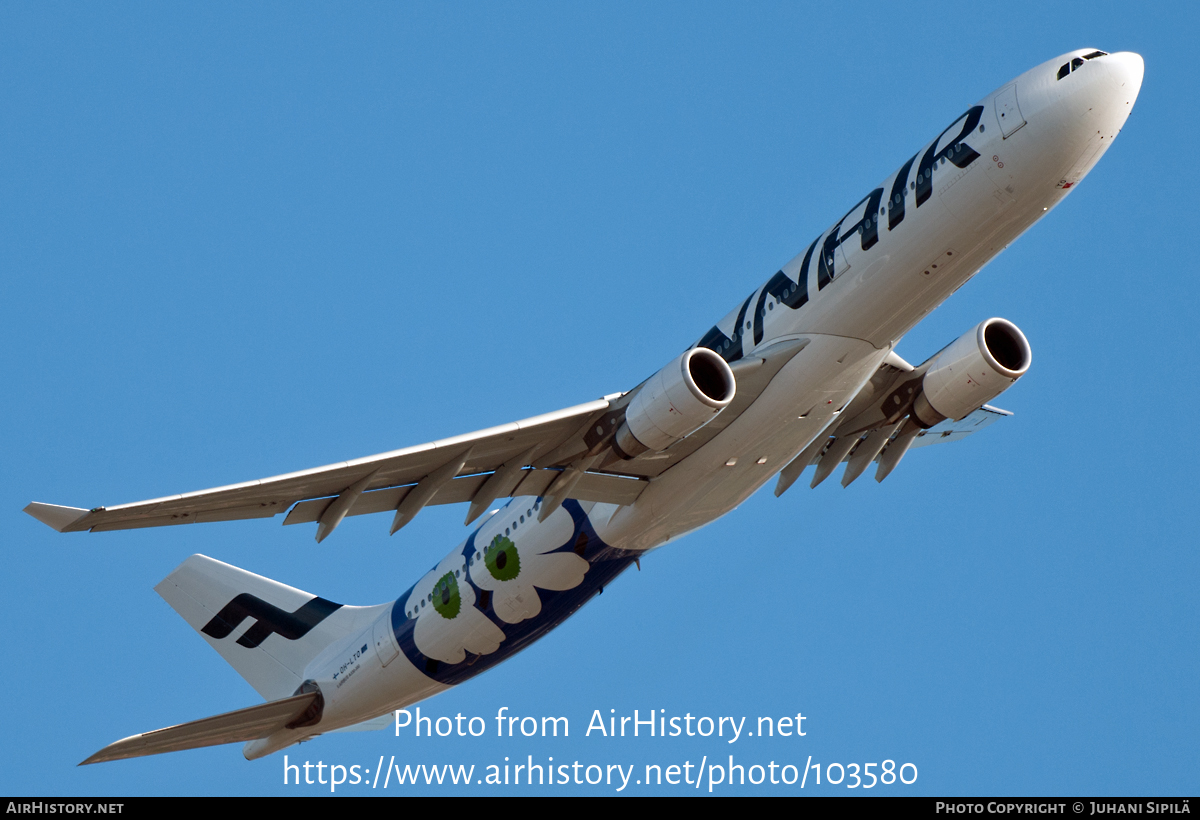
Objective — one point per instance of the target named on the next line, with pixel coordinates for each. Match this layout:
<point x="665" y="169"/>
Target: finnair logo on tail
<point x="270" y="619"/>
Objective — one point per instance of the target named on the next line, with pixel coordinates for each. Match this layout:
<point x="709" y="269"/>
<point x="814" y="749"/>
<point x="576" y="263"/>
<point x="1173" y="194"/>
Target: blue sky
<point x="239" y="241"/>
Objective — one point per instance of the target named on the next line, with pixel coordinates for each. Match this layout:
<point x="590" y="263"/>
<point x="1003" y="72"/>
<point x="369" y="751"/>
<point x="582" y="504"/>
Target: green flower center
<point x="446" y="599"/>
<point x="501" y="559"/>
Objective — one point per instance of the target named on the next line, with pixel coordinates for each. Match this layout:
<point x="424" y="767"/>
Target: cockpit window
<point x="1076" y="62"/>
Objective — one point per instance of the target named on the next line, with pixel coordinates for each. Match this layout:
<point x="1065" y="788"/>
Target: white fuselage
<point x="852" y="294"/>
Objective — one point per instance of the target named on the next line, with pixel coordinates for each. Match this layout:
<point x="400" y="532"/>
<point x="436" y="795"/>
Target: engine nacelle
<point x="978" y="366"/>
<point x="675" y="402"/>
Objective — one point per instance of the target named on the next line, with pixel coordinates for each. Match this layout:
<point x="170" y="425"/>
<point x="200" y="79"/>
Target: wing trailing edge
<point x="884" y="445"/>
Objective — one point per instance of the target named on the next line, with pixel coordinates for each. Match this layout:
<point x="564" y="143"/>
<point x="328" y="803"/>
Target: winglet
<point x="53" y="516"/>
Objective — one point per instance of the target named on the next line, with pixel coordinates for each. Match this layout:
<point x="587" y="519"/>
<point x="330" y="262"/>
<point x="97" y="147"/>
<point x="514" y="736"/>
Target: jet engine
<point x="974" y="369"/>
<point x="675" y="402"/>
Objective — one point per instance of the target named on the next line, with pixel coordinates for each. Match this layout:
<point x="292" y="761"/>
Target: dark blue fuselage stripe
<point x="606" y="564"/>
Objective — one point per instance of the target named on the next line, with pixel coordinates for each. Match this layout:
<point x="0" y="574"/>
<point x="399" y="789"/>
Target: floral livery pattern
<point x="517" y="560"/>
<point x="449" y="625"/>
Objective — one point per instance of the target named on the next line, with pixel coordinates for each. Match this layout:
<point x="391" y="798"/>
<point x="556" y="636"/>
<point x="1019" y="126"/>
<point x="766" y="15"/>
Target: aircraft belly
<point x="375" y="690"/>
<point x="362" y="689"/>
<point x="892" y="294"/>
<point x="796" y="406"/>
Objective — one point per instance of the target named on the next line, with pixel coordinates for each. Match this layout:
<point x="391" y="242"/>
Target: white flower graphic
<point x="512" y="561"/>
<point x="448" y="623"/>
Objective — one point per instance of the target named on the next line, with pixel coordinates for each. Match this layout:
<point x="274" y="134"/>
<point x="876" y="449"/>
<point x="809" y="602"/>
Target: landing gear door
<point x="1007" y="111"/>
<point x="385" y="641"/>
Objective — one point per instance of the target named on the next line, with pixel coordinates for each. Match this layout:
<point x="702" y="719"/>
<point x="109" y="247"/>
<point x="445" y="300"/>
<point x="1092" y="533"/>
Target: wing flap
<point x="202" y="517"/>
<point x="948" y="430"/>
<point x="598" y="487"/>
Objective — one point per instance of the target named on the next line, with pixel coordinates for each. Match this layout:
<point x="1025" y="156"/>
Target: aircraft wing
<point x="883" y="443"/>
<point x="950" y="430"/>
<point x="551" y="455"/>
<point x="520" y="458"/>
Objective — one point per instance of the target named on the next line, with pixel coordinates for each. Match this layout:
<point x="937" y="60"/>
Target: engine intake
<point x="675" y="402"/>
<point x="974" y="369"/>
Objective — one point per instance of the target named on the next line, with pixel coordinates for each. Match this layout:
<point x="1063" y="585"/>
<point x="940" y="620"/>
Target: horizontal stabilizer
<point x="372" y="725"/>
<point x="53" y="516"/>
<point x="232" y="727"/>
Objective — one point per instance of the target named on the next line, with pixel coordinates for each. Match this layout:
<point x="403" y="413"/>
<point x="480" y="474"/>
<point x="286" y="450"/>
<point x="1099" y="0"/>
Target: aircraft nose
<point x="1126" y="69"/>
<point x="1115" y="90"/>
<point x="1094" y="95"/>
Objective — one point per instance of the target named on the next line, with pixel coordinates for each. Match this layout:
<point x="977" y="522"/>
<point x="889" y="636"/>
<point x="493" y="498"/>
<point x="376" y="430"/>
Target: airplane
<point x="801" y="373"/>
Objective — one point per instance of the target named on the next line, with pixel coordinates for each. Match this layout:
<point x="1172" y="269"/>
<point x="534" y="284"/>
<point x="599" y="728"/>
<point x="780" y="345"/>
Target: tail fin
<point x="265" y="630"/>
